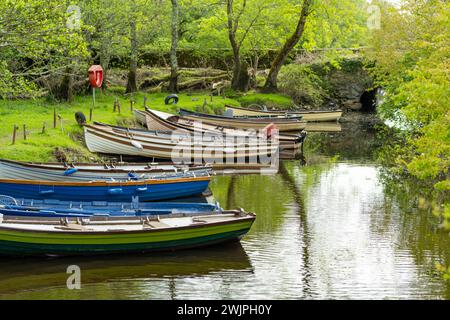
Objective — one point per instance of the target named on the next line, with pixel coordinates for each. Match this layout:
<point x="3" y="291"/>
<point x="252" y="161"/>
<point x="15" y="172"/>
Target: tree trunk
<point x="173" y="83"/>
<point x="132" y="83"/>
<point x="232" y="27"/>
<point x="65" y="90"/>
<point x="255" y="65"/>
<point x="104" y="62"/>
<point x="243" y="80"/>
<point x="277" y="63"/>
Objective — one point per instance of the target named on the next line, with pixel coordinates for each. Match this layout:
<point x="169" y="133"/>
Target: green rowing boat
<point x="19" y="236"/>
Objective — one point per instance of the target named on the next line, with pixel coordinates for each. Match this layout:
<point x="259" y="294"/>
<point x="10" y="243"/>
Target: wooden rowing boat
<point x="290" y="144"/>
<point x="145" y="190"/>
<point x="179" y="147"/>
<point x="89" y="172"/>
<point x="158" y="120"/>
<point x="42" y="236"/>
<point x="283" y="124"/>
<point x="315" y="115"/>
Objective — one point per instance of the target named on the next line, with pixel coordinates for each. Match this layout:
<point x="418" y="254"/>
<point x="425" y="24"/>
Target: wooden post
<point x="118" y="106"/>
<point x="24" y="132"/>
<point x="14" y="134"/>
<point x="145" y="101"/>
<point x="54" y="118"/>
<point x="211" y="96"/>
<point x="93" y="104"/>
<point x="61" y="122"/>
<point x="204" y="105"/>
<point x="115" y="105"/>
<point x="43" y="127"/>
<point x="131" y="105"/>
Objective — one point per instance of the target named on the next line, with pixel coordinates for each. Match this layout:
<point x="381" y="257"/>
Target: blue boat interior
<point x="57" y="208"/>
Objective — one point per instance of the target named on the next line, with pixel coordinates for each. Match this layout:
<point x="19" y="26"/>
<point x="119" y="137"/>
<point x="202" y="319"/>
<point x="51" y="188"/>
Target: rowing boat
<point x="313" y="115"/>
<point x="158" y="120"/>
<point x="44" y="236"/>
<point x="282" y="124"/>
<point x="89" y="172"/>
<point x="48" y="208"/>
<point x="210" y="148"/>
<point x="106" y="190"/>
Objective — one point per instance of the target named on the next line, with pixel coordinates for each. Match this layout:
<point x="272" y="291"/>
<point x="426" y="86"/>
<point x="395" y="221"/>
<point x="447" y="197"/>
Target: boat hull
<point x="151" y="190"/>
<point x="17" y="242"/>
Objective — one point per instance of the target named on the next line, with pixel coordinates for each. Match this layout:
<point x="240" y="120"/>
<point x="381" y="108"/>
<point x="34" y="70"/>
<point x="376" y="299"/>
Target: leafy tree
<point x="37" y="44"/>
<point x="173" y="83"/>
<point x="412" y="55"/>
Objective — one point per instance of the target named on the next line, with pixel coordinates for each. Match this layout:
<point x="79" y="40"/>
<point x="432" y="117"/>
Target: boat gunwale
<point x="59" y="166"/>
<point x="106" y="183"/>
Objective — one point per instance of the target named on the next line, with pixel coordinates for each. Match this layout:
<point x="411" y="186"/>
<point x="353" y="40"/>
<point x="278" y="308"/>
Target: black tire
<point x="80" y="117"/>
<point x="171" y="99"/>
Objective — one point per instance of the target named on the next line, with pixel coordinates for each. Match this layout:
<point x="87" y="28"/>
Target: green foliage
<point x="412" y="55"/>
<point x="303" y="85"/>
<point x="36" y="42"/>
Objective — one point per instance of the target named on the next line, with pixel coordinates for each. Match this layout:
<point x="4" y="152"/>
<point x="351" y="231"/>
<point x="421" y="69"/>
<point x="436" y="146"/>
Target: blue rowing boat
<point x="111" y="191"/>
<point x="68" y="209"/>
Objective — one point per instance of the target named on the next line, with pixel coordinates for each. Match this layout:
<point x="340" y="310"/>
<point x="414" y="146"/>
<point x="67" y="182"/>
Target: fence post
<point x="43" y="127"/>
<point x="61" y="122"/>
<point x="14" y="134"/>
<point x="54" y="118"/>
<point x="145" y="101"/>
<point x="24" y="132"/>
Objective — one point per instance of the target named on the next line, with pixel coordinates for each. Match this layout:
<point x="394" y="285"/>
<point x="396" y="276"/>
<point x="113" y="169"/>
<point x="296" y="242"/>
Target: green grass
<point x="41" y="147"/>
<point x="271" y="100"/>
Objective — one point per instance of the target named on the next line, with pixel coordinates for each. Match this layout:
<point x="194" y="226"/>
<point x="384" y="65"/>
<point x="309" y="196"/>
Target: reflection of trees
<point x="265" y="195"/>
<point x="355" y="141"/>
<point x="298" y="199"/>
<point x="419" y="228"/>
<point x="18" y="275"/>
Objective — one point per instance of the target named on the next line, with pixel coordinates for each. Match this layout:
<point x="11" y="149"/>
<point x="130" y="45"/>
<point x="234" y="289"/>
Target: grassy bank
<point x="68" y="141"/>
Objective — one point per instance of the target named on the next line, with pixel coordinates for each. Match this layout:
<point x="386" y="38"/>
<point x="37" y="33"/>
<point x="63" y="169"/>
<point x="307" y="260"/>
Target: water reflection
<point x="35" y="278"/>
<point x="330" y="229"/>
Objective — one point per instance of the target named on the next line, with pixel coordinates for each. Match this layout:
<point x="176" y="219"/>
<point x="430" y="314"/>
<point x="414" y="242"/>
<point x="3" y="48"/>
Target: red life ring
<point x="96" y="76"/>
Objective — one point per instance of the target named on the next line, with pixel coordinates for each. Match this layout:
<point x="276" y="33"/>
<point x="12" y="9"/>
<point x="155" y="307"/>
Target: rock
<point x="353" y="104"/>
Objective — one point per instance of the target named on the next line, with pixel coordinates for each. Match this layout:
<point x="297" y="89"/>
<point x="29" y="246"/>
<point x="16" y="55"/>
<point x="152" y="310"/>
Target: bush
<point x="303" y="85"/>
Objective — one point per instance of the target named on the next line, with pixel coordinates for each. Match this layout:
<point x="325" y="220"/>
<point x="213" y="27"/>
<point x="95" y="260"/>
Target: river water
<point x="337" y="228"/>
